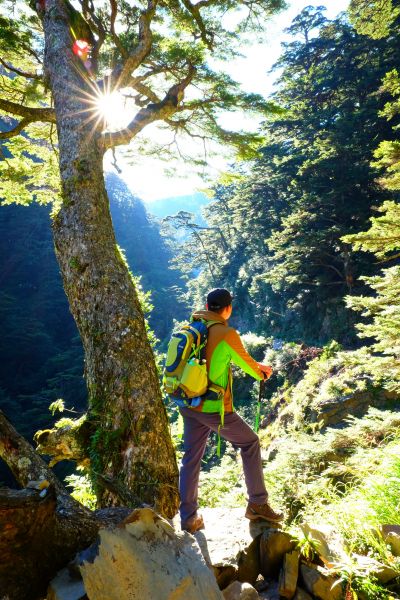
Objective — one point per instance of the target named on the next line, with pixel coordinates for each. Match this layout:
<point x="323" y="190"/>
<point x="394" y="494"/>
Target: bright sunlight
<point x="112" y="108"/>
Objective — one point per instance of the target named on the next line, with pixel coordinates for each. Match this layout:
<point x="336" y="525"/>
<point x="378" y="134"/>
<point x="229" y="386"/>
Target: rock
<point x="146" y="558"/>
<point x="301" y="595"/>
<point x="65" y="587"/>
<point x="391" y="536"/>
<point x="249" y="562"/>
<point x="225" y="575"/>
<point x="326" y="542"/>
<point x="320" y="584"/>
<point x="271" y="592"/>
<point x="226" y="534"/>
<point x="240" y="591"/>
<point x="383" y="573"/>
<point x="289" y="575"/>
<point x="259" y="526"/>
<point x="334" y="412"/>
<point x="274" y="544"/>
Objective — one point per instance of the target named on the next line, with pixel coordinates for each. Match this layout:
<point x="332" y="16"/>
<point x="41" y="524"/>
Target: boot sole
<point x="192" y="531"/>
<point x="253" y="517"/>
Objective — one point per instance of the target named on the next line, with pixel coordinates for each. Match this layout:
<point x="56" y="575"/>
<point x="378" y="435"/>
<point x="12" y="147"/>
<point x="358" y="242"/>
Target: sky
<point x="148" y="179"/>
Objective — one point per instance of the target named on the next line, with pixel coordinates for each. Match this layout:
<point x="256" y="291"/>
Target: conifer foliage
<point x="383" y="239"/>
<point x="313" y="184"/>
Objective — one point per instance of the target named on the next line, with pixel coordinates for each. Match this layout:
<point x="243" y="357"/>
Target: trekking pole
<point x="258" y="411"/>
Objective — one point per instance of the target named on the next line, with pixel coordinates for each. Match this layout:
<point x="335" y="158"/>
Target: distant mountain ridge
<point x="192" y="203"/>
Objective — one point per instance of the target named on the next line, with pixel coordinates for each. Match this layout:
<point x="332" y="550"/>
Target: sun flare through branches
<point x="104" y="108"/>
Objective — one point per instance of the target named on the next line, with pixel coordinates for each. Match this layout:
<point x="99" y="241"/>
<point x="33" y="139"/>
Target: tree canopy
<point x="157" y="54"/>
<point x="314" y="183"/>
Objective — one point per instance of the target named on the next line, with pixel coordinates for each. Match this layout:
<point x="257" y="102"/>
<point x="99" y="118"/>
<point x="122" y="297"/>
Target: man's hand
<point x="267" y="371"/>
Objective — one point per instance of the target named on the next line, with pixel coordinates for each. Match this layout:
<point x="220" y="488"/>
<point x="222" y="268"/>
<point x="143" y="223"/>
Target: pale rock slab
<point x="240" y="591"/>
<point x="383" y="573"/>
<point x="227" y="533"/>
<point x="327" y="542"/>
<point x="145" y="558"/>
<point x="391" y="536"/>
<point x="289" y="575"/>
<point x="320" y="584"/>
<point x="65" y="587"/>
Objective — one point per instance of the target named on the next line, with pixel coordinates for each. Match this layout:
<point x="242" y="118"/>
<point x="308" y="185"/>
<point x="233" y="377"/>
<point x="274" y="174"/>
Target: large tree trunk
<point x="40" y="530"/>
<point x="132" y="445"/>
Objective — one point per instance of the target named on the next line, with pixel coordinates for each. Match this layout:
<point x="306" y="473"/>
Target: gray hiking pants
<point x="197" y="428"/>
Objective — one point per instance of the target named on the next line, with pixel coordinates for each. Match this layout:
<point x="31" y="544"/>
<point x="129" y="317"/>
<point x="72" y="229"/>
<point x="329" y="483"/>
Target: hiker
<point x="223" y="347"/>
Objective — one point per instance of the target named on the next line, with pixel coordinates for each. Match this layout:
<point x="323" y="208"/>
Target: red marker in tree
<point x="81" y="48"/>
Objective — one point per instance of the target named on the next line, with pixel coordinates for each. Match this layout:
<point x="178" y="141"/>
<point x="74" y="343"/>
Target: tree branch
<point x="6" y="135"/>
<point x="194" y="10"/>
<point x="19" y="72"/>
<point x="145" y="90"/>
<point x="52" y="529"/>
<point x="34" y="114"/>
<point x="143" y="47"/>
<point x="66" y="443"/>
<point x="117" y="41"/>
<point x="152" y="112"/>
<point x="96" y="24"/>
<point x="23" y="461"/>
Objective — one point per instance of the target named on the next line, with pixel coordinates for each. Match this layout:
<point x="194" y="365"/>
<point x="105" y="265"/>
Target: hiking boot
<point x="262" y="511"/>
<point x="193" y="524"/>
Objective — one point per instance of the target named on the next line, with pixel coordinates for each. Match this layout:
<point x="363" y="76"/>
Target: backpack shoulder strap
<point x="211" y="323"/>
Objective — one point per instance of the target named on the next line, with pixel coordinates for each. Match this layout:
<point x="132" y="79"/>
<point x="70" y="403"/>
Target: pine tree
<point x="313" y="184"/>
<point x="383" y="239"/>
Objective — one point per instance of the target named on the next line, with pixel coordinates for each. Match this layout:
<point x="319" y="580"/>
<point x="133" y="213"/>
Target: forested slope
<point x="41" y="357"/>
<point x="275" y="234"/>
<point x="308" y="241"/>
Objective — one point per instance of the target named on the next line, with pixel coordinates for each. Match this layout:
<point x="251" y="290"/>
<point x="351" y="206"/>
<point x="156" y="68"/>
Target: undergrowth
<point x="347" y="479"/>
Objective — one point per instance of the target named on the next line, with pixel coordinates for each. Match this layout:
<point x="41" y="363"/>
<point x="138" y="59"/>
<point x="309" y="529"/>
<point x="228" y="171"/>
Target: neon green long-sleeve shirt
<point x="224" y="347"/>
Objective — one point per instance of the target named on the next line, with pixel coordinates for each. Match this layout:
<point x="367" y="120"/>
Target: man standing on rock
<point x="223" y="347"/>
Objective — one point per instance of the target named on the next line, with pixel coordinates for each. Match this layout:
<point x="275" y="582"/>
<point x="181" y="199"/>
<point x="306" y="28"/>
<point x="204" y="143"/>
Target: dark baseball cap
<point x="219" y="298"/>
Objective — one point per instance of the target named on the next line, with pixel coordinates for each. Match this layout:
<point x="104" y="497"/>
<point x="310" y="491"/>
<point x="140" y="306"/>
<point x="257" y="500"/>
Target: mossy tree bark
<point x="131" y="446"/>
<point x="39" y="531"/>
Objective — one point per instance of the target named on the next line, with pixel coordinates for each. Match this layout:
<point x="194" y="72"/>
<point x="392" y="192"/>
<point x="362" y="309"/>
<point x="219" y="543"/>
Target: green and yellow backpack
<point x="185" y="378"/>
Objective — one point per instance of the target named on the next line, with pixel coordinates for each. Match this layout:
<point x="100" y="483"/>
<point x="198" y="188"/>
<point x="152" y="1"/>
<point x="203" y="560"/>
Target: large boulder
<point x="146" y="558"/>
<point x="274" y="544"/>
<point x="240" y="591"/>
<point x="320" y="584"/>
<point x="249" y="562"/>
